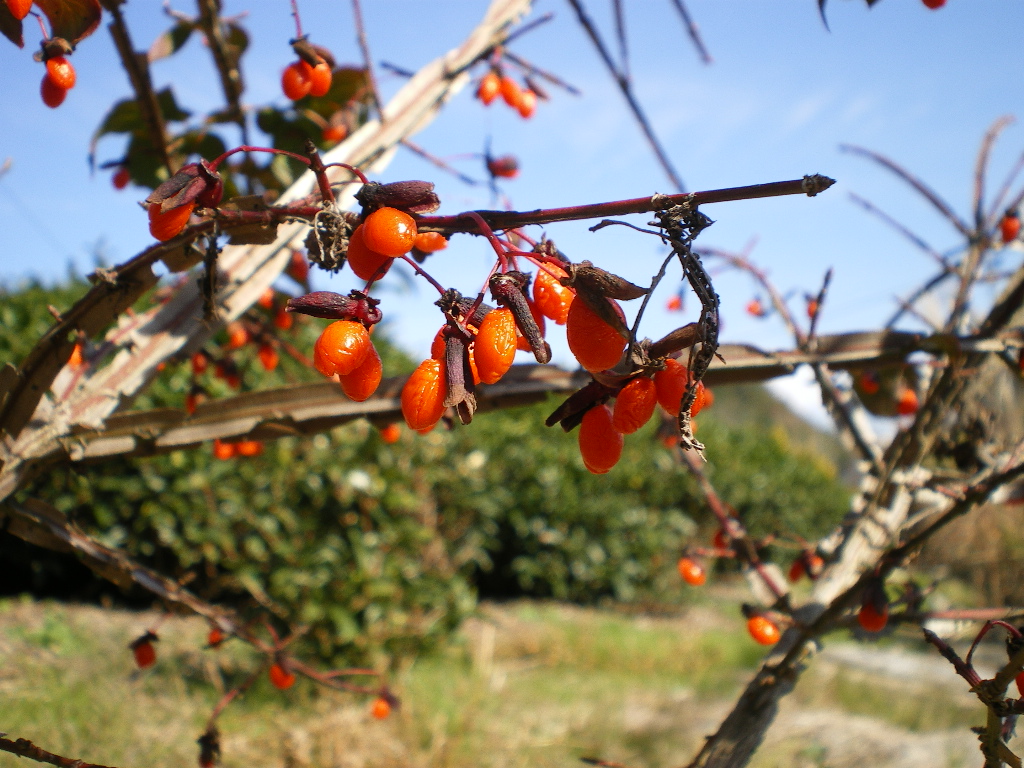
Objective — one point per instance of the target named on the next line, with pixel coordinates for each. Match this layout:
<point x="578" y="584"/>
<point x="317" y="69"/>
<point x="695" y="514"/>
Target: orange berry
<point x="192" y="401"/>
<point x="797" y="569"/>
<point x="391" y="433"/>
<point x="249" y="448"/>
<point x="295" y="80"/>
<point x="121" y="178"/>
<point x="76" y="359"/>
<point x="871" y="619"/>
<point x="266" y="299"/>
<point x="298" y="267"/>
<point x="341" y="348"/>
<point x="200" y="362"/>
<point x="754" y="308"/>
<point x="595" y="344"/>
<point x="281" y="677"/>
<point x="364" y="261"/>
<point x="674" y="304"/>
<point x="429" y="242"/>
<point x="495" y="345"/>
<point x="671" y="384"/>
<point x="222" y="450"/>
<point x="320" y="78"/>
<point x="215" y="638"/>
<point x="552" y="298"/>
<point x="489" y="87"/>
<point x="283" y="319"/>
<point x="334" y="133"/>
<point x="238" y="335"/>
<point x="908" y="404"/>
<point x="510" y="92"/>
<point x="53" y="95"/>
<point x="61" y="72"/>
<point x="389" y="231"/>
<point x="634" y="405"/>
<point x="365" y="379"/>
<point x="600" y="442"/>
<point x="163" y="225"/>
<point x="380" y="708"/>
<point x="763" y="630"/>
<point x="423" y="395"/>
<point x="145" y="654"/>
<point x="693" y="573"/>
<point x="527" y="104"/>
<point x="437" y="351"/>
<point x="19" y="8"/>
<point x="268" y="357"/>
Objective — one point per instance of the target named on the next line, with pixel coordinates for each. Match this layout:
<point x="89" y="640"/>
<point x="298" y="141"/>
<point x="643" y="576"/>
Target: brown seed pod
<point x="333" y="306"/>
<point x="507" y="290"/>
<point x="410" y="196"/>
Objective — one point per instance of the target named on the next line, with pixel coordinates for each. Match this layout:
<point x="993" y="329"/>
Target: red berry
<point x="674" y="304"/>
<point x="76" y="359"/>
<point x="907" y="405"/>
<point x="238" y="335"/>
<point x="295" y="80"/>
<point x="693" y="573"/>
<point x="933" y="4"/>
<point x="671" y="384"/>
<point x="365" y="379"/>
<point x="504" y="167"/>
<point x="552" y="298"/>
<point x="281" y="677"/>
<point x="495" y="345"/>
<point x="430" y="242"/>
<point x="19" y="8"/>
<point x="298" y="267"/>
<point x="53" y="95"/>
<point x="121" y="178"/>
<point x="249" y="448"/>
<point x="754" y="308"/>
<point x="363" y="261"/>
<point x="389" y="231"/>
<point x="320" y="79"/>
<point x="144" y="651"/>
<point x="869" y="383"/>
<point x="391" y="433"/>
<point x="61" y="71"/>
<point x="423" y="395"/>
<point x="595" y="344"/>
<point x="797" y="569"/>
<point x="1020" y="683"/>
<point x="163" y="225"/>
<point x="490" y="85"/>
<point x="871" y="618"/>
<point x="634" y="405"/>
<point x="763" y="630"/>
<point x="215" y="638"/>
<point x="266" y="299"/>
<point x="341" y="348"/>
<point x="600" y="443"/>
<point x="200" y="362"/>
<point x="1009" y="227"/>
<point x="283" y="319"/>
<point x="380" y="708"/>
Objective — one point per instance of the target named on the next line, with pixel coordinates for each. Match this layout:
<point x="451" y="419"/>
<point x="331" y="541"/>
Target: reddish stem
<point x="298" y="21"/>
<point x="422" y="273"/>
<point x="487" y="232"/>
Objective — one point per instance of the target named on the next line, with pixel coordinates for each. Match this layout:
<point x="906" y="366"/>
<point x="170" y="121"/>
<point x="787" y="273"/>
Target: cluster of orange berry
<point x="58" y="80"/>
<point x="310" y="74"/>
<point x="523" y="99"/>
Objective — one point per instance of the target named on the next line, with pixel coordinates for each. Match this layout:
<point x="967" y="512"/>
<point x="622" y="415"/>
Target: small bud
<point x="195" y="182"/>
<point x="508" y="291"/>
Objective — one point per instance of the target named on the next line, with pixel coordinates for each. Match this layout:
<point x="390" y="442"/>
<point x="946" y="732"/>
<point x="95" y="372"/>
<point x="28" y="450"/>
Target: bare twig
<point x="25" y="748"/>
<point x="981" y="167"/>
<point x="916" y="240"/>
<point x="627" y="92"/>
<point x="437" y="162"/>
<point x="692" y="30"/>
<point x="364" y="47"/>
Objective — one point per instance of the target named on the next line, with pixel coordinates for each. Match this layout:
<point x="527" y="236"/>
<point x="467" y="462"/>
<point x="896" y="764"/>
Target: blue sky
<point x="783" y="93"/>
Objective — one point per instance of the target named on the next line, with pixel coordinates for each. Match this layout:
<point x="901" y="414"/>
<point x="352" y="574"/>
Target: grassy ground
<point x="525" y="685"/>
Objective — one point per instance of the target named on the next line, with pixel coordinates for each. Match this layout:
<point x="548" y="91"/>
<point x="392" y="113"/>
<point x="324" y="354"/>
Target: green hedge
<point x="380" y="549"/>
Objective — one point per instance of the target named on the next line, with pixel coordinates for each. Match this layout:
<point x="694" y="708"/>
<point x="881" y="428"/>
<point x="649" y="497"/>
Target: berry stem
<point x="247" y="148"/>
<point x="298" y="19"/>
<point x="496" y="244"/>
<point x="422" y="273"/>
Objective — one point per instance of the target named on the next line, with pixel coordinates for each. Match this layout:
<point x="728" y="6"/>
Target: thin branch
<point x="627" y="92"/>
<point x="620" y="34"/>
<point x="693" y="31"/>
<point x="981" y="166"/>
<point x="916" y="240"/>
<point x="930" y="195"/>
<point x="364" y="47"/>
<point x="439" y="163"/>
<point x="997" y="203"/>
<point x="25" y="748"/>
<point x="533" y="69"/>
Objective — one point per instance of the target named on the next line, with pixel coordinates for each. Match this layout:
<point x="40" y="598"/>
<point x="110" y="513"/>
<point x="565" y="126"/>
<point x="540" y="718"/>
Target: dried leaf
<point x="74" y="20"/>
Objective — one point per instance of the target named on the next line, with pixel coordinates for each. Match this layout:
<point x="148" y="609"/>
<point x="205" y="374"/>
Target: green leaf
<point x="73" y="20"/>
<point x="171" y="41"/>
